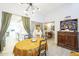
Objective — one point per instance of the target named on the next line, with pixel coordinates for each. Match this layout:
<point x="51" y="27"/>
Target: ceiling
<point x="19" y="9"/>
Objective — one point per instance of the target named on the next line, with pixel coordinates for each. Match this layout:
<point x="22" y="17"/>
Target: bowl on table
<point x="34" y="40"/>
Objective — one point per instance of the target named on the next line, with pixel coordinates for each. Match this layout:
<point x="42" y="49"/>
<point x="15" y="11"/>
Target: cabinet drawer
<point x="61" y="33"/>
<point x="72" y="33"/>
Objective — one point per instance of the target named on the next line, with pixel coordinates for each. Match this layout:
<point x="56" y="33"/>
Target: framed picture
<point x="69" y="24"/>
<point x="62" y="25"/>
<point x="45" y="27"/>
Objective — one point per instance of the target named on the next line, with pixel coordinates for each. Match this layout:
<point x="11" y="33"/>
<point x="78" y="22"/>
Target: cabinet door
<point x="62" y="39"/>
<point x="72" y="41"/>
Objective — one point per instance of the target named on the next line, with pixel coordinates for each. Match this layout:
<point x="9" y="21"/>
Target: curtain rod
<point x="14" y="14"/>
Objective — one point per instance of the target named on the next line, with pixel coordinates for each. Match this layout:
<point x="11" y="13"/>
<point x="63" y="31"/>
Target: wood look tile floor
<point x="53" y="50"/>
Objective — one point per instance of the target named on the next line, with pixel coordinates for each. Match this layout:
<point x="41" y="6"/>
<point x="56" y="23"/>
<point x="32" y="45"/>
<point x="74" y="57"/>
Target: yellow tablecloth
<point x="74" y="54"/>
<point x="27" y="47"/>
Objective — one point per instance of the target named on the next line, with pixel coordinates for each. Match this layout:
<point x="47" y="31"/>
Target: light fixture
<point x="31" y="8"/>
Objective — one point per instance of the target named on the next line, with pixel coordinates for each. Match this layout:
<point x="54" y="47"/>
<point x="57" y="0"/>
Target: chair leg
<point x="45" y="53"/>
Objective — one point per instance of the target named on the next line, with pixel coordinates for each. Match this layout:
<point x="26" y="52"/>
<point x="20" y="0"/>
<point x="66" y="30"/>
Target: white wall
<point x="0" y="18"/>
<point x="63" y="11"/>
<point x="36" y="18"/>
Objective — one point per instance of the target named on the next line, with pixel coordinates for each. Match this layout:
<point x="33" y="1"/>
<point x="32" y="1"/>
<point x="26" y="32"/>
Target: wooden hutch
<point x="68" y="34"/>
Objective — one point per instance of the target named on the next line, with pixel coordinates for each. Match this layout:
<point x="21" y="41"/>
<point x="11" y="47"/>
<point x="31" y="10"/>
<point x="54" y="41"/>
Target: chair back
<point x="42" y="47"/>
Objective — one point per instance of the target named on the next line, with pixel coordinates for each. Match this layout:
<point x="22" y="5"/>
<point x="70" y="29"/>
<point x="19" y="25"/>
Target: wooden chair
<point x="42" y="47"/>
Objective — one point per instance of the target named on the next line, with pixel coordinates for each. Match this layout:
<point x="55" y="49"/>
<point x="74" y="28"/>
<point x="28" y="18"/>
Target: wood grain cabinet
<point x="68" y="40"/>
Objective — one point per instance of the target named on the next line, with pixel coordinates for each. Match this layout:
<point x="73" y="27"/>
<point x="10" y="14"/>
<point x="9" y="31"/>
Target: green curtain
<point x="5" y="21"/>
<point x="26" y="24"/>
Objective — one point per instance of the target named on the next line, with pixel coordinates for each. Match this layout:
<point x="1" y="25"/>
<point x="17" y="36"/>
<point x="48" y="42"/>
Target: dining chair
<point x="42" y="47"/>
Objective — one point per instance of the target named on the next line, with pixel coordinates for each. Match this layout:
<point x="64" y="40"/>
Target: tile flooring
<point x="53" y="50"/>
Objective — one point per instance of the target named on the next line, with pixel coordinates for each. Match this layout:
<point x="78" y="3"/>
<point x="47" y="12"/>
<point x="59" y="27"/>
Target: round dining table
<point x="27" y="47"/>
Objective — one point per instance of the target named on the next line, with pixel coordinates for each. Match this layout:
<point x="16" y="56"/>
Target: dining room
<point x="39" y="29"/>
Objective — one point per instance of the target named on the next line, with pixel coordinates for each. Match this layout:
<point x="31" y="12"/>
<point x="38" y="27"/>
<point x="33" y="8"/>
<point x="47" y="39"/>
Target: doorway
<point x="49" y="30"/>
